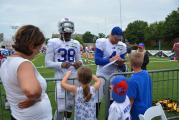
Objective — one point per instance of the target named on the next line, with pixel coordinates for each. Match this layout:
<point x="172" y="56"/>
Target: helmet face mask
<point x="66" y="26"/>
<point x="66" y="29"/>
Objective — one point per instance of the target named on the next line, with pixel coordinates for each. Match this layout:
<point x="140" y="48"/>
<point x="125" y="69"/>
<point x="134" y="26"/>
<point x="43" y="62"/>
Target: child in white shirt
<point x="120" y="108"/>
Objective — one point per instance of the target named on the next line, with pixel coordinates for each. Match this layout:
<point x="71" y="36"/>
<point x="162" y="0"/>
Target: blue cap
<point x="119" y="89"/>
<point x="116" y="31"/>
<point x="141" y="45"/>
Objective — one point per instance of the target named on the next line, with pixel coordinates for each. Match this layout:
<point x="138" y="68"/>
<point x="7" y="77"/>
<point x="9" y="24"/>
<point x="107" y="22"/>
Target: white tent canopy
<point x="166" y="53"/>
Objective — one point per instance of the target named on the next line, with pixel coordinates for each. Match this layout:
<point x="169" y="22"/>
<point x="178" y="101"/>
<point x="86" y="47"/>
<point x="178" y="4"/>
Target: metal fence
<point x="51" y="88"/>
<point x="165" y="85"/>
<point x="52" y="94"/>
<point x="164" y="82"/>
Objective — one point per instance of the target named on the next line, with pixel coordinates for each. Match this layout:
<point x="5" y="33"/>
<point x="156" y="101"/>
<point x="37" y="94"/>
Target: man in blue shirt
<point x="140" y="87"/>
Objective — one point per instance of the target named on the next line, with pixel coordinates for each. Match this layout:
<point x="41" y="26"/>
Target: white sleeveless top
<point x="85" y="110"/>
<point x="39" y="111"/>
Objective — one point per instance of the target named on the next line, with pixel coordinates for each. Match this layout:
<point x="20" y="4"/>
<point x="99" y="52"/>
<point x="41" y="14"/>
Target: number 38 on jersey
<point x="66" y="55"/>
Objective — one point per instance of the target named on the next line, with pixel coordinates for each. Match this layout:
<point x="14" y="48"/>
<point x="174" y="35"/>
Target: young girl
<point x="85" y="104"/>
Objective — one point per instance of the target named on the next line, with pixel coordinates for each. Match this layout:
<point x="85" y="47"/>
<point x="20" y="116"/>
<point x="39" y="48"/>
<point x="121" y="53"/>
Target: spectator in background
<point x="25" y="87"/>
<point x="81" y="49"/>
<point x="87" y="51"/>
<point x="141" y="48"/>
<point x="129" y="48"/>
<point x="3" y="54"/>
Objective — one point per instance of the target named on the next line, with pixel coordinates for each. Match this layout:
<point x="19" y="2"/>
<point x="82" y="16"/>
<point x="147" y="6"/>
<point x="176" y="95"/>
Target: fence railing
<point x="51" y="91"/>
<point x="165" y="84"/>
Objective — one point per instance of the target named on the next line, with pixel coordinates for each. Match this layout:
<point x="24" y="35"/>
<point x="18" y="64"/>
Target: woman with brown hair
<point x="85" y="101"/>
<point x="25" y="87"/>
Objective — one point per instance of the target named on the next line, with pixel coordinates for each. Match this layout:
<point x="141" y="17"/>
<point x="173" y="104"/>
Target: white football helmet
<point x="66" y="26"/>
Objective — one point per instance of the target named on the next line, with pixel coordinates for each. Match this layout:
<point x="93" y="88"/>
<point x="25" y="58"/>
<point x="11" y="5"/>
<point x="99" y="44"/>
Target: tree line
<point x="162" y="33"/>
<point x="165" y="33"/>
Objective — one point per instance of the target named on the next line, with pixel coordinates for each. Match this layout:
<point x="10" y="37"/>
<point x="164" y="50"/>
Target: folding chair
<point x="153" y="112"/>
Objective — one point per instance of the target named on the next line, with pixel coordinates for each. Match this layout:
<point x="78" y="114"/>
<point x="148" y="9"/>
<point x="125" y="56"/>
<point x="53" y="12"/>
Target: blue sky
<point x="92" y="15"/>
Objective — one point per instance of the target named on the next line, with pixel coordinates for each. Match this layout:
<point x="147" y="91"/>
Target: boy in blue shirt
<point x="140" y="87"/>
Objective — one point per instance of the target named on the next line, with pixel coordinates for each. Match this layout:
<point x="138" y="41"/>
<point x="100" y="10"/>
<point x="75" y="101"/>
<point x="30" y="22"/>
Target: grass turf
<point x="162" y="87"/>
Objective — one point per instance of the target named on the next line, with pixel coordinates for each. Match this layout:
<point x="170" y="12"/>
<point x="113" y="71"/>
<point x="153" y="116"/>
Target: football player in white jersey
<point x="109" y="50"/>
<point x="63" y="54"/>
<point x="3" y="54"/>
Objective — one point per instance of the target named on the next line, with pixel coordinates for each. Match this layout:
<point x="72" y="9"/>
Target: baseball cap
<point x="119" y="89"/>
<point x="141" y="45"/>
<point x="117" y="31"/>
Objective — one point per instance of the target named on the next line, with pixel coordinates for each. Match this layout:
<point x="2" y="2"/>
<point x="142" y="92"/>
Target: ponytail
<point x="84" y="77"/>
<point x="86" y="93"/>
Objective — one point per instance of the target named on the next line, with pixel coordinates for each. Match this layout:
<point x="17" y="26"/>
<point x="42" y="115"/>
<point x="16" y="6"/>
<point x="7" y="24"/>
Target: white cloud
<point x="93" y="15"/>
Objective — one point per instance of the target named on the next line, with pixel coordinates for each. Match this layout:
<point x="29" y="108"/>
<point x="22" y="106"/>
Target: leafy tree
<point x="101" y="35"/>
<point x="79" y="38"/>
<point x="88" y="37"/>
<point x="155" y="32"/>
<point x="55" y="35"/>
<point x="172" y="25"/>
<point x="135" y="31"/>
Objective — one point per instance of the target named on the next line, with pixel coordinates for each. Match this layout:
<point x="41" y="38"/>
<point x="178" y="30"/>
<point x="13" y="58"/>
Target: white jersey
<point x="109" y="49"/>
<point x="39" y="111"/>
<point x="120" y="111"/>
<point x="3" y="54"/>
<point x="59" y="51"/>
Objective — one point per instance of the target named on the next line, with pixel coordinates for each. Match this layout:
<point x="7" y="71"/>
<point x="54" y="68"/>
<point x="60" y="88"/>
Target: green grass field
<point x="162" y="87"/>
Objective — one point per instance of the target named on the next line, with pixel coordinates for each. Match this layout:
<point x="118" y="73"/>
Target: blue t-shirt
<point x="140" y="89"/>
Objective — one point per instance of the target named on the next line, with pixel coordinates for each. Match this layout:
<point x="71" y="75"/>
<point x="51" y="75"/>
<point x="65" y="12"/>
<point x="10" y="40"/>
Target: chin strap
<point x="63" y="38"/>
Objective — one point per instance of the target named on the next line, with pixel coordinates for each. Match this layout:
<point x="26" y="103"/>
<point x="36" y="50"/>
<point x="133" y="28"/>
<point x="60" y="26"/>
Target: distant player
<point x="63" y="54"/>
<point x="87" y="51"/>
<point x="108" y="50"/>
<point x="3" y="54"/>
